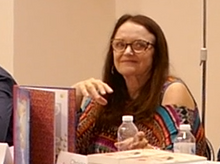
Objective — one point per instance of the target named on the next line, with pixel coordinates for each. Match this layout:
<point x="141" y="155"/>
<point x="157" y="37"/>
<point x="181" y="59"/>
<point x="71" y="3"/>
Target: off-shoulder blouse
<point x="160" y="132"/>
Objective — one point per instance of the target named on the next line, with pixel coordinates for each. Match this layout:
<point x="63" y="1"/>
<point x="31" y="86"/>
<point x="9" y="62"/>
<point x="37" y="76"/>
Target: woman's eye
<point x="139" y="45"/>
<point x="120" y="45"/>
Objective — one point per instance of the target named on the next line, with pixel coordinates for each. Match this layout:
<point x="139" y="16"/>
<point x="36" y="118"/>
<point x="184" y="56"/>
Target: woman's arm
<point x="178" y="94"/>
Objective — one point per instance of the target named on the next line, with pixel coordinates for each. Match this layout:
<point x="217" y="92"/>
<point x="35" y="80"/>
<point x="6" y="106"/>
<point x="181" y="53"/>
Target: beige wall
<point x="6" y="34"/>
<point x="61" y="42"/>
<point x="213" y="76"/>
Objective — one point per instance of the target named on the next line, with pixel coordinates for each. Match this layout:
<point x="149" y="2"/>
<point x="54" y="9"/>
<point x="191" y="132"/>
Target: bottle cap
<point x="185" y="127"/>
<point x="127" y="118"/>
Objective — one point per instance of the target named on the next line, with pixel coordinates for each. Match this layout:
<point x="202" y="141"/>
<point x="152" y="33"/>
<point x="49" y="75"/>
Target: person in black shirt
<point x="6" y="106"/>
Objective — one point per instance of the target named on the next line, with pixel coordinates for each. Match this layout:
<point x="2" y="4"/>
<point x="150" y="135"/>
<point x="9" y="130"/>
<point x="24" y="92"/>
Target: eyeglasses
<point x="137" y="46"/>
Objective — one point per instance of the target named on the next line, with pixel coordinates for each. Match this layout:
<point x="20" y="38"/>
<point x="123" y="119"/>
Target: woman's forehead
<point x="130" y="30"/>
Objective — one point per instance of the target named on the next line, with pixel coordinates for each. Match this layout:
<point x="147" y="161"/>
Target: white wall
<point x="182" y="23"/>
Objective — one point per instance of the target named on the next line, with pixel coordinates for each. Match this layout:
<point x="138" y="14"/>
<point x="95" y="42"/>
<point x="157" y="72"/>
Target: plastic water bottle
<point x="185" y="142"/>
<point x="126" y="130"/>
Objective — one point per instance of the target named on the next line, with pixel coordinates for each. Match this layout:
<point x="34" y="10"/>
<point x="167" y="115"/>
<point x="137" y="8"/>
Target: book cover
<point x="44" y="117"/>
<point x="21" y="126"/>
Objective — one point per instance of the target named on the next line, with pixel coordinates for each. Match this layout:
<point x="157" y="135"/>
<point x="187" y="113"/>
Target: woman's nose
<point x="128" y="50"/>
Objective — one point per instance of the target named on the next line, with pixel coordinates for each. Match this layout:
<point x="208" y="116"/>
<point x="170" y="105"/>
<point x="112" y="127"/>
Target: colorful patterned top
<point x="160" y="132"/>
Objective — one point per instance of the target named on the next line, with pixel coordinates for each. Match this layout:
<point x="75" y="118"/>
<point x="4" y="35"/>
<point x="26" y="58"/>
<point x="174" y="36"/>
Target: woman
<point x="136" y="81"/>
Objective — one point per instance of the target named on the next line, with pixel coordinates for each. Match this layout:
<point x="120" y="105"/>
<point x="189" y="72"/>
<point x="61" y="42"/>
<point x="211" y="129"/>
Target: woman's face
<point x="128" y="62"/>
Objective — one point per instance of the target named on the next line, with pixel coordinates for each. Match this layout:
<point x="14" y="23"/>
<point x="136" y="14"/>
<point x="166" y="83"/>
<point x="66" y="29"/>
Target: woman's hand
<point x="93" y="88"/>
<point x="137" y="142"/>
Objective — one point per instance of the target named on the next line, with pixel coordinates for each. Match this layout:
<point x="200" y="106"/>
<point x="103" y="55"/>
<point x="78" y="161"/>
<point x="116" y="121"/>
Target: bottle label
<point x="182" y="147"/>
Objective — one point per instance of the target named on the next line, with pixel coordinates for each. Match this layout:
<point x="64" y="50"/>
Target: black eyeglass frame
<point x="147" y="43"/>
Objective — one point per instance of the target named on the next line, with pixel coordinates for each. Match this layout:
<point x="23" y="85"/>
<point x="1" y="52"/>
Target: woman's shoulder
<point x="176" y="92"/>
<point x="170" y="80"/>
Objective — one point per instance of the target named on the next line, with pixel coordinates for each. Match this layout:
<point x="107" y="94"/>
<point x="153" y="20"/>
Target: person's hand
<point x="137" y="142"/>
<point x="93" y="88"/>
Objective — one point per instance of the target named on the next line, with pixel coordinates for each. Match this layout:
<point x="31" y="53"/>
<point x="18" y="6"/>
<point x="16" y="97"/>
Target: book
<point x="44" y="123"/>
<point x="143" y="156"/>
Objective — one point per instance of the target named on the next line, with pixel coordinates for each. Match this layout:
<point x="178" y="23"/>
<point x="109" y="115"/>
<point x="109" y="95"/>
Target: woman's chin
<point x="127" y="72"/>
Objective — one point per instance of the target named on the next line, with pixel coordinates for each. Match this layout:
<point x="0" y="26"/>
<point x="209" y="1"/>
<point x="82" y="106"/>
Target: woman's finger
<point x="93" y="88"/>
<point x="139" y="141"/>
<point x="83" y="90"/>
<point x="107" y="88"/>
<point x="139" y="136"/>
<point x="102" y="87"/>
<point x="139" y="145"/>
<point x="124" y="145"/>
<point x="101" y="100"/>
<point x="94" y="93"/>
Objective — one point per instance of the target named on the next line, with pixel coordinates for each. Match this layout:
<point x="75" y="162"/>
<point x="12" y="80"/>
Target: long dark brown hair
<point x="119" y="102"/>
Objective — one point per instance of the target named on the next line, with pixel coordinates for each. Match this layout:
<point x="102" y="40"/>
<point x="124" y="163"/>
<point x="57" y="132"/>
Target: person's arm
<point x="6" y="106"/>
<point x="178" y="94"/>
